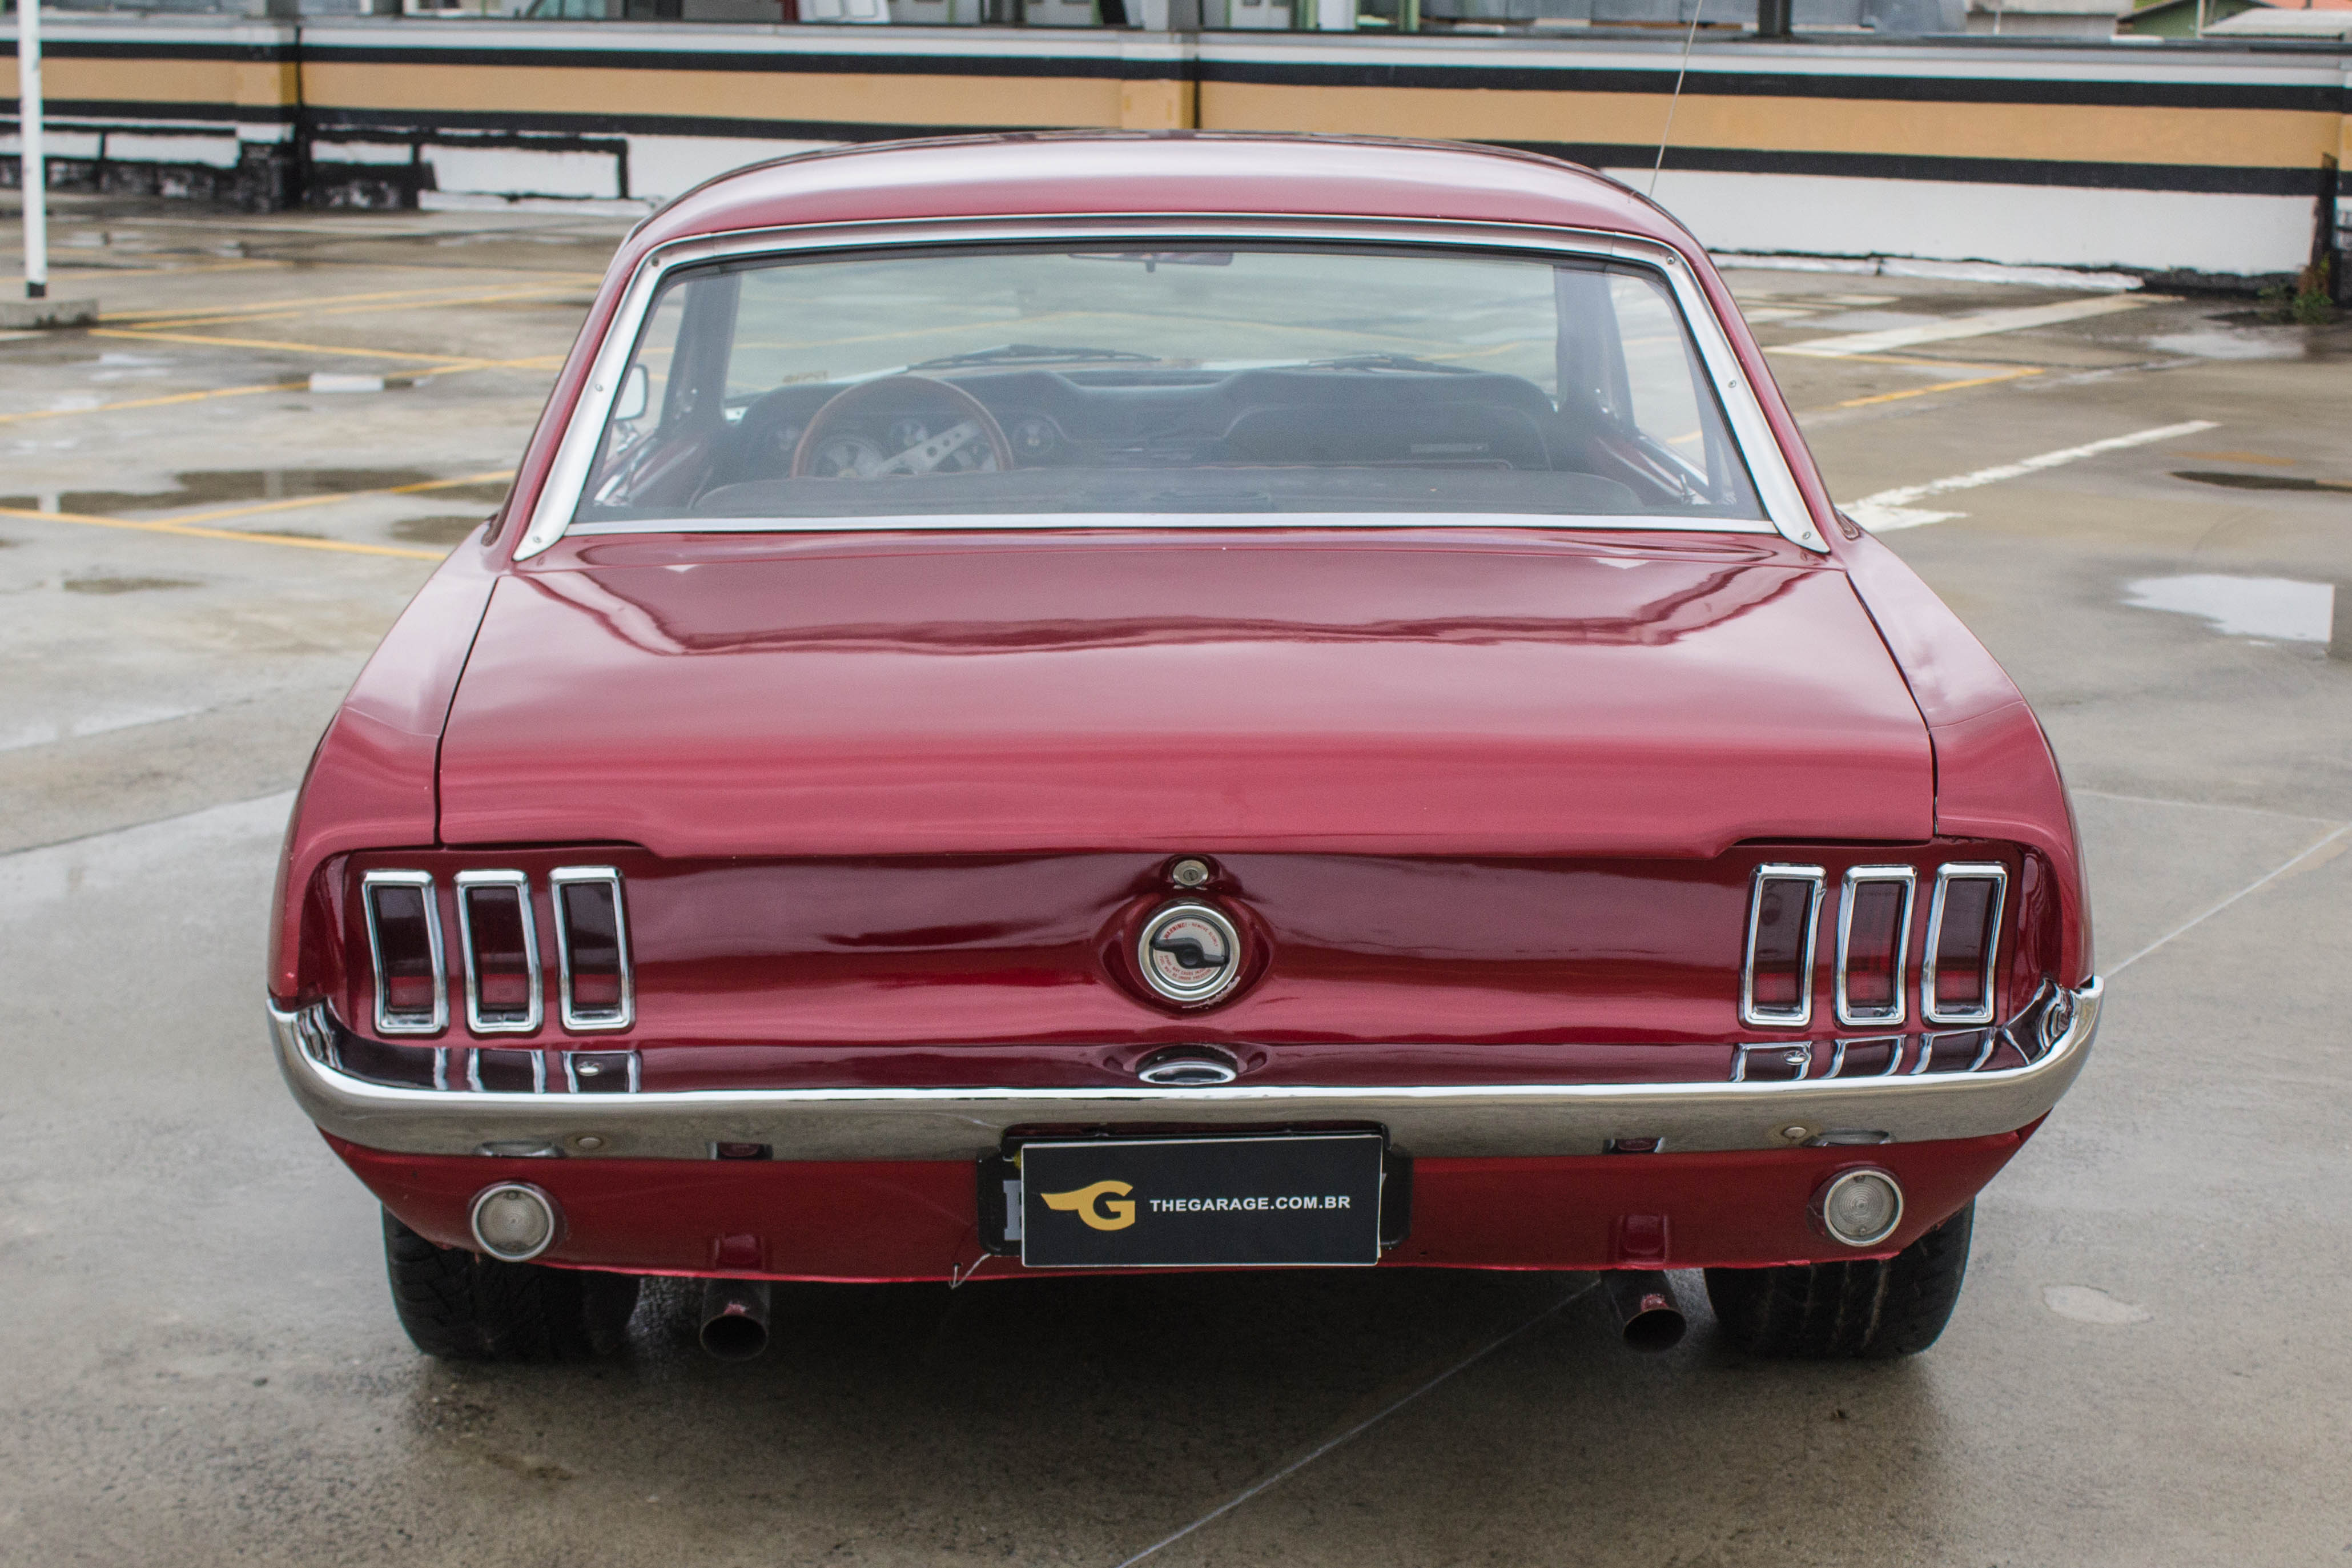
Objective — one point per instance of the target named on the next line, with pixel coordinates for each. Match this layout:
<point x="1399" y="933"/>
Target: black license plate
<point x="1271" y="1201"/>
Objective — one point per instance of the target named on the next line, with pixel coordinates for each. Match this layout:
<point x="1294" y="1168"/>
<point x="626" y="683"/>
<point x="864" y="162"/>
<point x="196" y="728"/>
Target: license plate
<point x="1272" y="1202"/>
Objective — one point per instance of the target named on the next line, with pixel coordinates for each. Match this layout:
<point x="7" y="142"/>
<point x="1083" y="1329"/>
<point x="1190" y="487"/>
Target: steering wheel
<point x="827" y="451"/>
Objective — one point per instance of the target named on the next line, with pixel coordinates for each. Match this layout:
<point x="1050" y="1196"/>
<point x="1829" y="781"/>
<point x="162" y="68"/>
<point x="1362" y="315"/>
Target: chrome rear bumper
<point x="1431" y="1121"/>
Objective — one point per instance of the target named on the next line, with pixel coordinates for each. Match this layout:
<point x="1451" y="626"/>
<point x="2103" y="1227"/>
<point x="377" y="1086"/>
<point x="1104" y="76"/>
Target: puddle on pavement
<point x="2239" y="342"/>
<point x="2263" y="481"/>
<point x="453" y="529"/>
<point x="215" y="487"/>
<point x="2277" y="609"/>
<point x="124" y="584"/>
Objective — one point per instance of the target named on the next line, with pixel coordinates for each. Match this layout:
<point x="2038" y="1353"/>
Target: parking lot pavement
<point x="198" y="1362"/>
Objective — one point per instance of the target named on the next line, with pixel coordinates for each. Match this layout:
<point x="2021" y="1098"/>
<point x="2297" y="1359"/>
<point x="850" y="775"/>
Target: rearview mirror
<point x="634" y="396"/>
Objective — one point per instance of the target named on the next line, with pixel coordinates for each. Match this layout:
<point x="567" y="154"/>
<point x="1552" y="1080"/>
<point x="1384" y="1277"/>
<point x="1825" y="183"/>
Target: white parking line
<point x="1890" y="510"/>
<point x="1481" y="1353"/>
<point x="2302" y="856"/>
<point x="1984" y="324"/>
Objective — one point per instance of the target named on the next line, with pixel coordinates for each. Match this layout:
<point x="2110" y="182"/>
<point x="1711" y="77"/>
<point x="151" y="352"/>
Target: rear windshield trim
<point x="559" y="493"/>
<point x="1154" y="521"/>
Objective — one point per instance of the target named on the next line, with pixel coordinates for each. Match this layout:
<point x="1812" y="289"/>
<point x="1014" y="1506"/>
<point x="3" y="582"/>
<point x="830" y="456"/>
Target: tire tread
<point x="459" y="1306"/>
<point x="1868" y="1310"/>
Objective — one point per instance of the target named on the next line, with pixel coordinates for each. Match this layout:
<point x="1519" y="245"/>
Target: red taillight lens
<point x="1873" y="942"/>
<point x="591" y="939"/>
<point x="501" y="950"/>
<point x="1777" y="978"/>
<point x="1963" y="942"/>
<point x="404" y="925"/>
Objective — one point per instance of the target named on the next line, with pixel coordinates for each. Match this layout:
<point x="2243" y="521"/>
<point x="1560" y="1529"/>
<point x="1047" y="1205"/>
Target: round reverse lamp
<point x="1860" y="1208"/>
<point x="514" y="1222"/>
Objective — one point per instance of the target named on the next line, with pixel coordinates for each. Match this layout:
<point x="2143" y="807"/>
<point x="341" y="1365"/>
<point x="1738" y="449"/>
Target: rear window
<point x="980" y="383"/>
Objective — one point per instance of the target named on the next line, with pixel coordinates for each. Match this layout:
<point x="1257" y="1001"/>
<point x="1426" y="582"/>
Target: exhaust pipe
<point x="735" y="1317"/>
<point x="1642" y="1300"/>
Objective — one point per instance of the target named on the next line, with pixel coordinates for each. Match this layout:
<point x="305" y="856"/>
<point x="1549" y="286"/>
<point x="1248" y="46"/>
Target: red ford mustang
<point x="1109" y="702"/>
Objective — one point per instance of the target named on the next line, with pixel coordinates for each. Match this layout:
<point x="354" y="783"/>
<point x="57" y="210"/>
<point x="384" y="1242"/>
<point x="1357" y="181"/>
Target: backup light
<point x="514" y="1221"/>
<point x="1860" y="1207"/>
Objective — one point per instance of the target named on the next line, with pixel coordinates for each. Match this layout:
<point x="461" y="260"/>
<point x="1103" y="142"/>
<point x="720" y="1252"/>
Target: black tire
<point x="1870" y="1310"/>
<point x="460" y="1306"/>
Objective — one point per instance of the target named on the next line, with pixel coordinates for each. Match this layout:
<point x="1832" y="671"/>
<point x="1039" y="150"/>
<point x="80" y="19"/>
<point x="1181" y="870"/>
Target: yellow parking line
<point x="97" y="273"/>
<point x="299" y="501"/>
<point x="536" y="362"/>
<point x="166" y="314"/>
<point x="446" y="302"/>
<point x="154" y="402"/>
<point x="451" y="361"/>
<point x="1940" y="386"/>
<point x="87" y="521"/>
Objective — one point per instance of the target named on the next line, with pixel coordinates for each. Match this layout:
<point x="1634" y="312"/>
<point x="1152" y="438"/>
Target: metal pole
<point x="34" y="180"/>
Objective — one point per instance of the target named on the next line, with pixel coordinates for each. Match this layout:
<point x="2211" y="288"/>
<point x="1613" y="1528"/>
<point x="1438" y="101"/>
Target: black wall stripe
<point x="2322" y="98"/>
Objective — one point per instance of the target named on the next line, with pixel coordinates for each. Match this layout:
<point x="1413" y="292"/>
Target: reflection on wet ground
<point x="123" y="585"/>
<point x="2244" y="343"/>
<point x="202" y="488"/>
<point x="454" y="527"/>
<point x="2271" y="607"/>
<point x="2260" y="481"/>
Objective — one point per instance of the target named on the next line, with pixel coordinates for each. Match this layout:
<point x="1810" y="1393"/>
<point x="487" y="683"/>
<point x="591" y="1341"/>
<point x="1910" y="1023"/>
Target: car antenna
<point x="1698" y="7"/>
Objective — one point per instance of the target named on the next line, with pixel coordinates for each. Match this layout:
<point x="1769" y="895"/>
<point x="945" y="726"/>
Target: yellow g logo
<point x="1100" y="1213"/>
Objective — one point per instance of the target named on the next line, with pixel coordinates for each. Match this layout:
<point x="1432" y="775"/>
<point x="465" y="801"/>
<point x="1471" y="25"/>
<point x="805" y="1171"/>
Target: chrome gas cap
<point x="1189" y="953"/>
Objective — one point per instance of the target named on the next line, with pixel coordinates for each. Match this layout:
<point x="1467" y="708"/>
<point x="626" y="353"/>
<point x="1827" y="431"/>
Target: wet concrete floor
<point x="2151" y="1364"/>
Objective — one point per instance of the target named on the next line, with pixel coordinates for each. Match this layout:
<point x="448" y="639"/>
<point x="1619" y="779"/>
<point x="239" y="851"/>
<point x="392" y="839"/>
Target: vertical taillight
<point x="1956" y="979"/>
<point x="1776" y="980"/>
<point x="500" y="944"/>
<point x="403" y="929"/>
<point x="591" y="946"/>
<point x="1874" y="944"/>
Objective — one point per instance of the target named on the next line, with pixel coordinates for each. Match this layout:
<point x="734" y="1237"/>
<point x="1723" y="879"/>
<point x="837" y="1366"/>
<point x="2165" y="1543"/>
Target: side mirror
<point x="634" y="394"/>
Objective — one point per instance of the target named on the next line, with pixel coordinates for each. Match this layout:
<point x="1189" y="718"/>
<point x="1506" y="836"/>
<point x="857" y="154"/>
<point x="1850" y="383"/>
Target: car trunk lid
<point x="1503" y="693"/>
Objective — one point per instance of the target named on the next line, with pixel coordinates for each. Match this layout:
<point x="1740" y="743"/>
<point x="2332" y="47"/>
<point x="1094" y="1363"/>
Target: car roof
<point x="1109" y="173"/>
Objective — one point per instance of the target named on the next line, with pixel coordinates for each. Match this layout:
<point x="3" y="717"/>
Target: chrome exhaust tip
<point x="1642" y="1302"/>
<point x="735" y="1317"/>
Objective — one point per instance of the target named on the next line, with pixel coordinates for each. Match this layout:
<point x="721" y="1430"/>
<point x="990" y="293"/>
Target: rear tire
<point x="1870" y="1309"/>
<point x="460" y="1306"/>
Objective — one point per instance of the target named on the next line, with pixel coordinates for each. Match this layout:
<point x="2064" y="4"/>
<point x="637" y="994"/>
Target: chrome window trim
<point x="1946" y="875"/>
<point x="940" y="1123"/>
<point x="1895" y="1011"/>
<point x="1166" y="521"/>
<point x="1801" y="1015"/>
<point x="534" y="1015"/>
<point x="1751" y="430"/>
<point x="573" y="1019"/>
<point x="386" y="1023"/>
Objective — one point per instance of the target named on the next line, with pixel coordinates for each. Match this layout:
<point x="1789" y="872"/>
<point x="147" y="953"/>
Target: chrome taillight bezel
<point x="534" y="1012"/>
<point x="572" y="1017"/>
<point x="1801" y="1013"/>
<point x="388" y="1022"/>
<point x="1894" y="1010"/>
<point x="1946" y="875"/>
